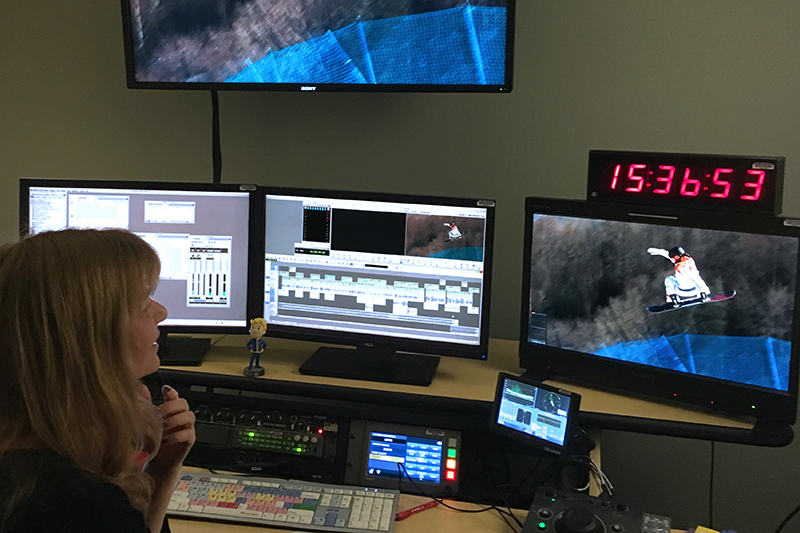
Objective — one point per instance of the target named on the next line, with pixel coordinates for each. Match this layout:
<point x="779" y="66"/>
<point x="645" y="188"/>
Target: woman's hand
<point x="164" y="467"/>
<point x="179" y="435"/>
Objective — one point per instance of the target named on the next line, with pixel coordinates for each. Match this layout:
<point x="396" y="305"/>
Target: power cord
<point x="711" y="490"/>
<point x="594" y="473"/>
<point x="216" y="145"/>
<point x="787" y="519"/>
<point x="506" y="514"/>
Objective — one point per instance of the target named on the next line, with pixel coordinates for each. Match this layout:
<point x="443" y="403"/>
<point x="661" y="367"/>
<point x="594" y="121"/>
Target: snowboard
<point x="721" y="297"/>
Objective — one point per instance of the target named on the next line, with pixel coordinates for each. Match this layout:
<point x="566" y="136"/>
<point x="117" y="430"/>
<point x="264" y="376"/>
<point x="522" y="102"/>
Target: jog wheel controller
<point x="573" y="512"/>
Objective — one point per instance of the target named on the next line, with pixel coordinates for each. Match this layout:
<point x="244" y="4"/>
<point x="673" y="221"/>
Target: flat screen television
<point x="320" y="45"/>
<point x="693" y="306"/>
<point x="200" y="231"/>
<point x="394" y="276"/>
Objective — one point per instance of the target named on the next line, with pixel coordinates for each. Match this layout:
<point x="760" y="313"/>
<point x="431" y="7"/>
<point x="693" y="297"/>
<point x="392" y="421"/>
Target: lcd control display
<point x="534" y="410"/>
<point x="421" y="458"/>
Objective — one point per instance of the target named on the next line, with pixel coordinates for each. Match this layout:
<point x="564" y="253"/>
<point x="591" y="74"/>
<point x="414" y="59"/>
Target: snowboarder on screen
<point x="686" y="284"/>
<point x="454" y="234"/>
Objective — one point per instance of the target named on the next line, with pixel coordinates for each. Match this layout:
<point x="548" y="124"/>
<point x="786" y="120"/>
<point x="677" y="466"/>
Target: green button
<point x="451" y="452"/>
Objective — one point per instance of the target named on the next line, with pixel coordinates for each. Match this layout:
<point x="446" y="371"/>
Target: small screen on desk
<point x="530" y="409"/>
<point x="395" y="455"/>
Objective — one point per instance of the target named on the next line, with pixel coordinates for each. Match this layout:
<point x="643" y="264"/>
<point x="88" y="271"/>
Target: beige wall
<point x="687" y="76"/>
<point x="712" y="76"/>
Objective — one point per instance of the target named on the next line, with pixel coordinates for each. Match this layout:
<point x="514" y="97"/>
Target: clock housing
<point x="743" y="184"/>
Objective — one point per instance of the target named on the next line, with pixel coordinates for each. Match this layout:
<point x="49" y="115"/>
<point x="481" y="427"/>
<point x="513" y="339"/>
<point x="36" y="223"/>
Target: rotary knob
<point x="578" y="520"/>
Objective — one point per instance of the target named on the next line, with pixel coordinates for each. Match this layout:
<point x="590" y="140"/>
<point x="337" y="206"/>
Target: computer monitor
<point x="201" y="234"/>
<point x="692" y="306"/>
<point x="384" y="273"/>
<point x="318" y="45"/>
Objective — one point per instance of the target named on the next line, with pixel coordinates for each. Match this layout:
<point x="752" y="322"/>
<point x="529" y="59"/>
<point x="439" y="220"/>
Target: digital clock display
<point x="726" y="183"/>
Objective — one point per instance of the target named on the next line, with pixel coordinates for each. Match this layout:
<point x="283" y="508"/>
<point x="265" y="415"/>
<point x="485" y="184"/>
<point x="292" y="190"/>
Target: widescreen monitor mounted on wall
<point x="674" y="304"/>
<point x="320" y="45"/>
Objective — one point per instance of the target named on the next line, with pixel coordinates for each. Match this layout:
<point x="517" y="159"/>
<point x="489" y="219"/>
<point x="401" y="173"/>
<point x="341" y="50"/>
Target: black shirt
<point x="64" y="498"/>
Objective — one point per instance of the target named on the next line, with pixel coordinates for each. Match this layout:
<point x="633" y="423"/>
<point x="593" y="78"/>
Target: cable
<point x="216" y="146"/>
<point x="786" y="520"/>
<point x="594" y="472"/>
<point x="504" y="514"/>
<point x="219" y="339"/>
<point x="711" y="490"/>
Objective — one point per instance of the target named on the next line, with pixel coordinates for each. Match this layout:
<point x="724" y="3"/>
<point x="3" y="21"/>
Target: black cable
<point x="786" y="520"/>
<point x="504" y="514"/>
<point x="711" y="491"/>
<point x="216" y="147"/>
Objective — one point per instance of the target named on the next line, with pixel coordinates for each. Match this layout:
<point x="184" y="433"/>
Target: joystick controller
<point x="564" y="511"/>
<point x="578" y="520"/>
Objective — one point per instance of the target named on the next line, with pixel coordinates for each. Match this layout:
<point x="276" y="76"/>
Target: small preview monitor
<point x="535" y="413"/>
<point x="677" y="304"/>
<point x="384" y="273"/>
<point x="200" y="232"/>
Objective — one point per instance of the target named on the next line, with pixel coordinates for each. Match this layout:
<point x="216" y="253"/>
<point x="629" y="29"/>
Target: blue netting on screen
<point x="469" y="253"/>
<point x="462" y="46"/>
<point x="761" y="361"/>
<point x="655" y="352"/>
<point x="320" y="59"/>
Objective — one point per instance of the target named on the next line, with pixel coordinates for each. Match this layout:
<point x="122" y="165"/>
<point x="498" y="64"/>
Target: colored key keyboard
<point x="283" y="503"/>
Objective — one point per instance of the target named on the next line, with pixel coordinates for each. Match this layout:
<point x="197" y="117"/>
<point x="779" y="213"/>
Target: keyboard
<point x="284" y="503"/>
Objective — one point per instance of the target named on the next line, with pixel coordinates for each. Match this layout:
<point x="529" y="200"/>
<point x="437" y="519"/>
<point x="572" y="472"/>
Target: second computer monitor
<point x="383" y="273"/>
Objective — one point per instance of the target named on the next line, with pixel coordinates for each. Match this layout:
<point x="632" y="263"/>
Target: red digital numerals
<point x="662" y="181"/>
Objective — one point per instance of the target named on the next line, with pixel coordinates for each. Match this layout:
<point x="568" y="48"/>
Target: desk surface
<point x="455" y="378"/>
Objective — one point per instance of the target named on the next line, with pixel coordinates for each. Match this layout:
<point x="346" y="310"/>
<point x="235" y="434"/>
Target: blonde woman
<point x="82" y="448"/>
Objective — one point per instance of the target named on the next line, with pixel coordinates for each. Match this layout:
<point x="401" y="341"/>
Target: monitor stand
<point x="372" y="364"/>
<point x="182" y="351"/>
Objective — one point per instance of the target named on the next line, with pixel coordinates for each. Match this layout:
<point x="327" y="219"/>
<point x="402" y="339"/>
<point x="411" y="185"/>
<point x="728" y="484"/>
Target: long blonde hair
<point x="65" y="302"/>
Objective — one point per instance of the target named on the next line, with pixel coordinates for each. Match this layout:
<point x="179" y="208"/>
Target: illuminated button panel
<point x="267" y="431"/>
<point x="277" y="440"/>
<point x="406" y="456"/>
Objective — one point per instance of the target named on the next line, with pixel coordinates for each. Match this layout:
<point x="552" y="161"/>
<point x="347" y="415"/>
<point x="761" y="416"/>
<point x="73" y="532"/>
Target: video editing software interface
<point x="400" y="270"/>
<point x="200" y="236"/>
<point x="608" y="288"/>
<point x="534" y="411"/>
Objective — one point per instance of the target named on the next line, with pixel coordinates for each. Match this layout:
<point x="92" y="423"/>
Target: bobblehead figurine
<point x="256" y="345"/>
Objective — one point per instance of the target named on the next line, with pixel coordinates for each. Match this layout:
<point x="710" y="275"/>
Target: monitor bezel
<point x="688" y="390"/>
<point x="398" y="344"/>
<point x="252" y="260"/>
<point x="133" y="83"/>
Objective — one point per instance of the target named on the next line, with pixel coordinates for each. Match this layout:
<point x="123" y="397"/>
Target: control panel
<point x="560" y="511"/>
<point x="265" y="440"/>
<point x="412" y="458"/>
<point x="274" y="431"/>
